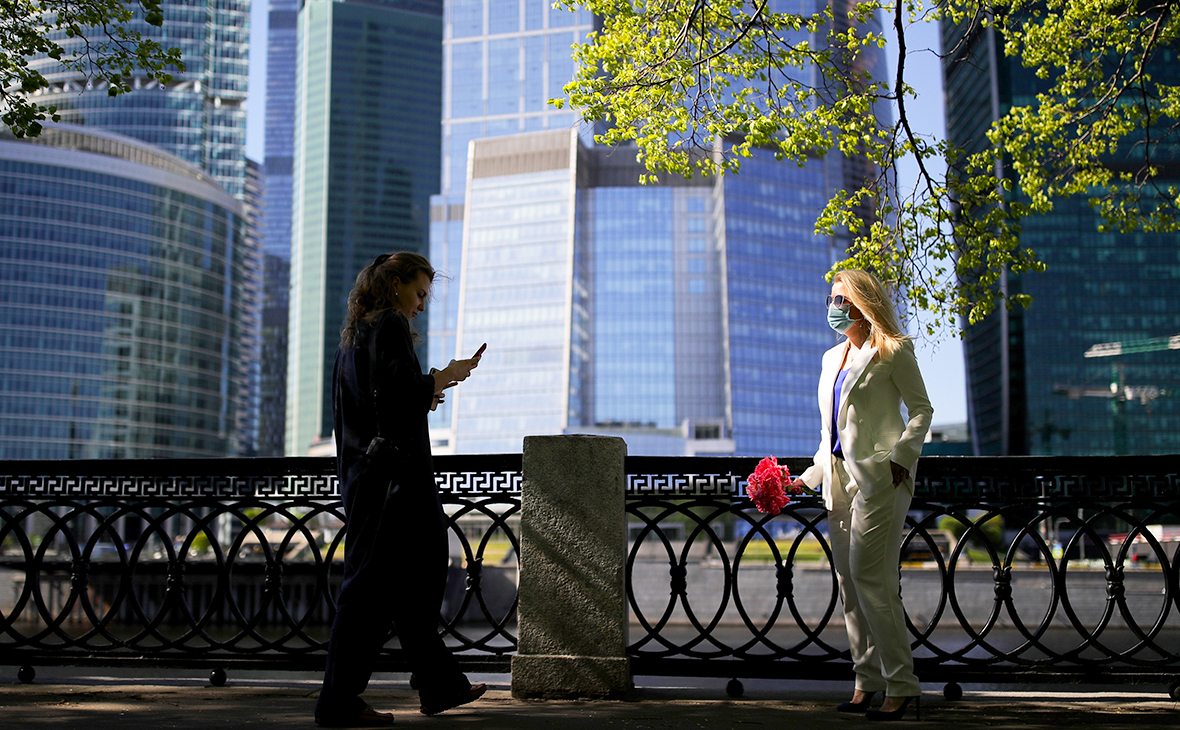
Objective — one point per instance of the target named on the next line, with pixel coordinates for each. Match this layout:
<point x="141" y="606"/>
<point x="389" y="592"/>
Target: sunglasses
<point x="839" y="301"/>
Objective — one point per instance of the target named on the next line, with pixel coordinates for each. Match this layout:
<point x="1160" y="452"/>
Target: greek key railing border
<point x="703" y="497"/>
<point x="683" y="512"/>
<point x="267" y="478"/>
<point x="250" y="612"/>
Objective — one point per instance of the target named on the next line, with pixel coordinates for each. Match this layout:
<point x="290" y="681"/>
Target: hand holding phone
<point x="460" y="370"/>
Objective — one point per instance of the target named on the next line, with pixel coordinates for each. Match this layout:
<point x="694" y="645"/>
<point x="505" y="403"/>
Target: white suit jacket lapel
<point x="860" y="361"/>
<point x="827" y="381"/>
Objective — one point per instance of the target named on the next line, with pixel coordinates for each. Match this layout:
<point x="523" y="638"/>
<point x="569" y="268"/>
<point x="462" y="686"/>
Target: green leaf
<point x="101" y="43"/>
<point x="699" y="86"/>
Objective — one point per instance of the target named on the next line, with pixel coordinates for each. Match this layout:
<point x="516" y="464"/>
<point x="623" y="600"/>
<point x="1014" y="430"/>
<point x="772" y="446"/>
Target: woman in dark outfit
<point x="395" y="548"/>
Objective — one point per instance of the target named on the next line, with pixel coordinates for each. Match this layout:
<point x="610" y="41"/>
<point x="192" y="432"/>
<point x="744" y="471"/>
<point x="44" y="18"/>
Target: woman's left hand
<point x="900" y="473"/>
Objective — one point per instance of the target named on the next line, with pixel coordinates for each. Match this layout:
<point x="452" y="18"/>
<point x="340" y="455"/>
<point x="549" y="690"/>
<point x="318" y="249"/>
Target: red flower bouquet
<point x="769" y="485"/>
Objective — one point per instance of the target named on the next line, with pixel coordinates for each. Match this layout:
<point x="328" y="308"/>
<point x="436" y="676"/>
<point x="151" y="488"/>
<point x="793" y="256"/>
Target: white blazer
<point x="872" y="431"/>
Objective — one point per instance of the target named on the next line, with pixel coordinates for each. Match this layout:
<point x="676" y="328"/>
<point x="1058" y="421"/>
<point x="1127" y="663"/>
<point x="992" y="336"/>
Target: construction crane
<point x="1153" y="344"/>
<point x="1118" y="391"/>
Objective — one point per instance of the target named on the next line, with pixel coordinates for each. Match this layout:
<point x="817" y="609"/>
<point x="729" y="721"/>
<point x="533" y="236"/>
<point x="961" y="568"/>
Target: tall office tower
<point x="282" y="42"/>
<point x="251" y="307"/>
<point x="686" y="317"/>
<point x="502" y="62"/>
<point x="773" y="291"/>
<point x="368" y="101"/>
<point x="201" y="116"/>
<point x="272" y="416"/>
<point x="124" y="274"/>
<point x="1030" y="390"/>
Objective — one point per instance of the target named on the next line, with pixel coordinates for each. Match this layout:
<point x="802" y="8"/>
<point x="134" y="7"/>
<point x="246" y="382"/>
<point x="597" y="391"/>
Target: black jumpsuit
<point x="395" y="550"/>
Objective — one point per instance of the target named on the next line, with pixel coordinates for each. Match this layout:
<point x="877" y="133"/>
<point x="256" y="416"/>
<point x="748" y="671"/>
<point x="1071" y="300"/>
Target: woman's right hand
<point x="460" y="370"/>
<point x="456" y="371"/>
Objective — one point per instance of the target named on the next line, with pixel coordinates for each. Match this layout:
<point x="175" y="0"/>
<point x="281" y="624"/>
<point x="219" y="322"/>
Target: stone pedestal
<point x="573" y="550"/>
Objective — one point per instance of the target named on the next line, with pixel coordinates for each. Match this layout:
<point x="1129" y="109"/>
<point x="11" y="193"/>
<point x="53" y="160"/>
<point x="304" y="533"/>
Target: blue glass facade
<point x="200" y="117"/>
<point x="518" y="283"/>
<point x="1100" y="287"/>
<point x="658" y="356"/>
<point x="503" y="61"/>
<point x="686" y="317"/>
<point x="704" y="322"/>
<point x="282" y="42"/>
<point x="634" y="306"/>
<point x="251" y="306"/>
<point x="775" y="289"/>
<point x="366" y="163"/>
<point x="1030" y="390"/>
<point x="123" y="295"/>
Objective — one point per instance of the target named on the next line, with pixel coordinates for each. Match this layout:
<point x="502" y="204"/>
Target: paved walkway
<point x="83" y="702"/>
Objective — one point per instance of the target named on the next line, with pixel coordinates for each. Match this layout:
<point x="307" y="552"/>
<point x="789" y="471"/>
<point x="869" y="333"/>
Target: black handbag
<point x="381" y="451"/>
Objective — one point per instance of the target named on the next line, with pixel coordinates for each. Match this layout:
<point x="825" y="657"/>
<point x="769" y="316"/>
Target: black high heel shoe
<point x="856" y="706"/>
<point x="881" y="715"/>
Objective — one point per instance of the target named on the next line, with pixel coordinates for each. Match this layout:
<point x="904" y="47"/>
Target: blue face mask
<point x="839" y="319"/>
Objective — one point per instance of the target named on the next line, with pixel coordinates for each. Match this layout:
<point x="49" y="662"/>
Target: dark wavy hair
<point x="372" y="295"/>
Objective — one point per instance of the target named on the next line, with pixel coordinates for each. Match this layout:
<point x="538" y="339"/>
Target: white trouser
<point x="865" y="536"/>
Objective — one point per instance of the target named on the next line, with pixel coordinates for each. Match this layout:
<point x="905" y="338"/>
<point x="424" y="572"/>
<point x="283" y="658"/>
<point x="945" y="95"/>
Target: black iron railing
<point x="225" y="562"/>
<point x="1013" y="569"/>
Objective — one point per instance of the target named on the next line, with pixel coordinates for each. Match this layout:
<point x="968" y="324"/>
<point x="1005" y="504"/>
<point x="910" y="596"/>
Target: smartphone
<point x="479" y="352"/>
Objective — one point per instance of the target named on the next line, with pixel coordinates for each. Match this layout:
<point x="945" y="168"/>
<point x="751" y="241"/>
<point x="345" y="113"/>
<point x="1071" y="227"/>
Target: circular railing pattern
<point x="236" y="561"/>
<point x="227" y="569"/>
<point x="1077" y="582"/>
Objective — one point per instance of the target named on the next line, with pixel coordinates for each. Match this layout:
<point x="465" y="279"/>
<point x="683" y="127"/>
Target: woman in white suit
<point x="866" y="460"/>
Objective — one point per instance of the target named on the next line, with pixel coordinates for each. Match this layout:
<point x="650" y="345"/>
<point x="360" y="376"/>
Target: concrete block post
<point x="573" y="549"/>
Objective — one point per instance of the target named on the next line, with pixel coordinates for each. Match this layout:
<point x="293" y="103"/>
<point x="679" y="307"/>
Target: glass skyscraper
<point x="773" y="266"/>
<point x="282" y="44"/>
<point x="124" y="289"/>
<point x="518" y="283"/>
<point x="687" y="317"/>
<point x="368" y="101"/>
<point x="201" y="116"/>
<point x="652" y="264"/>
<point x="1030" y="390"/>
<point x="502" y="62"/>
<point x="251" y="307"/>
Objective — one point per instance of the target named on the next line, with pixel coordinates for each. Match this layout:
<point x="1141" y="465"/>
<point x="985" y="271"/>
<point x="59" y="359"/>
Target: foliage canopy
<point x="94" y="39"/>
<point x="699" y="85"/>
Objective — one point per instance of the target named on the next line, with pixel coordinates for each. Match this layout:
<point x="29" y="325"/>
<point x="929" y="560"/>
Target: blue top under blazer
<point x="871" y="428"/>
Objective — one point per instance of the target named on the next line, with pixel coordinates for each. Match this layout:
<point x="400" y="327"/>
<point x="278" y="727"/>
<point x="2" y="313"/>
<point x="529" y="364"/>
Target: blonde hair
<point x="869" y="295"/>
